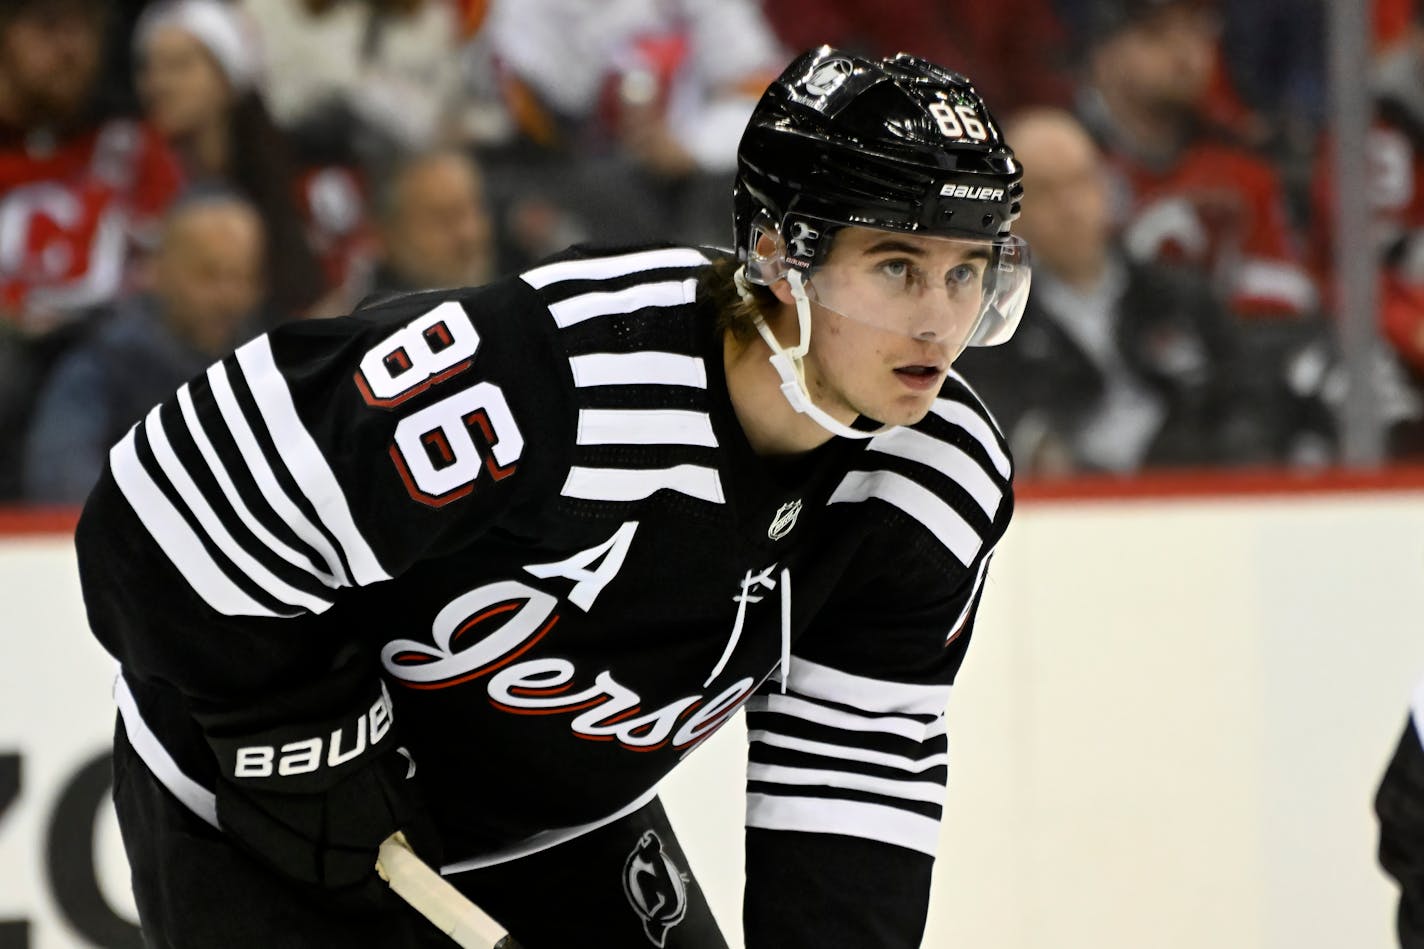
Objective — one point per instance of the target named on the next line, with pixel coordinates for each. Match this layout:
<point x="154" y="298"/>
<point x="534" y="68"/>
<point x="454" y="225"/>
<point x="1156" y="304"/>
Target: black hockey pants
<point x="623" y="886"/>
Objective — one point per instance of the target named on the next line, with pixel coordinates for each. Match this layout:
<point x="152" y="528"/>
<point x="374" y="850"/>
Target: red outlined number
<point x="423" y="353"/>
<point x="435" y="449"/>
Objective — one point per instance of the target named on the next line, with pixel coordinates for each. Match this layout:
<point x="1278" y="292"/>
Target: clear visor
<point x="960" y="292"/>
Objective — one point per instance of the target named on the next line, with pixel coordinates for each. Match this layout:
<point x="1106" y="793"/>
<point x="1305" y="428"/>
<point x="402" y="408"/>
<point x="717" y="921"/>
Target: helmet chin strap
<point x="788" y="362"/>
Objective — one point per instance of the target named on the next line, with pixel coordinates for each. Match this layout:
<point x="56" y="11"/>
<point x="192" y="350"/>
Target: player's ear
<point x="782" y="289"/>
<point x="768" y="246"/>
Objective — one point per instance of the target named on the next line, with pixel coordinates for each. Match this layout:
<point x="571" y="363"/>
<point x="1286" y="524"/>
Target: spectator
<point x="77" y="196"/>
<point x="73" y="191"/>
<point x="432" y="225"/>
<point x="196" y="79"/>
<point x="1119" y="365"/>
<point x="207" y="283"/>
<point x="629" y="114"/>
<point x="1190" y="194"/>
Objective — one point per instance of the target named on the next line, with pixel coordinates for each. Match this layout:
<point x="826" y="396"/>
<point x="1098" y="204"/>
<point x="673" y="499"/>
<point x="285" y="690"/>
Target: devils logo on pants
<point x="655" y="887"/>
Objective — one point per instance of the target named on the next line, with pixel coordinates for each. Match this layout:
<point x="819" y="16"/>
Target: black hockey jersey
<point x="529" y="511"/>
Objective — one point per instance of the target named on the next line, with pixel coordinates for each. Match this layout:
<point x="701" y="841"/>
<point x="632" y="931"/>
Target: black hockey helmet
<point x="899" y="144"/>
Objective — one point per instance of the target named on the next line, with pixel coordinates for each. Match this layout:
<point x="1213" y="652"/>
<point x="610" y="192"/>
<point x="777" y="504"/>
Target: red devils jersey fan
<point x="1188" y="194"/>
<point x="486" y="564"/>
<point x="73" y="193"/>
<point x="1218" y="209"/>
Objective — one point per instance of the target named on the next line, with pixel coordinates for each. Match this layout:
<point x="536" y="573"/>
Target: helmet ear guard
<point x="765" y="269"/>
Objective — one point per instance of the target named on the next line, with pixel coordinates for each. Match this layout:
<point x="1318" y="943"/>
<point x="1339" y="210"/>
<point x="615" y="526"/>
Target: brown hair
<point x="735" y="315"/>
<point x="261" y="167"/>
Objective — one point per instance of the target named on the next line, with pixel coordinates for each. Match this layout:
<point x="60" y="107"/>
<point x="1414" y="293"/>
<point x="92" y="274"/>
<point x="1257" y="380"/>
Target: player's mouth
<point x="920" y="377"/>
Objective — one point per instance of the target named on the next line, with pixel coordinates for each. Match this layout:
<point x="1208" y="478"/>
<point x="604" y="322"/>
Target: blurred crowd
<point x="178" y="175"/>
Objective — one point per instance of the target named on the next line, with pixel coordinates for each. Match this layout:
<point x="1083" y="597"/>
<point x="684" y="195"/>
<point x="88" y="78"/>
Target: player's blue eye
<point x="962" y="275"/>
<point x="899" y="269"/>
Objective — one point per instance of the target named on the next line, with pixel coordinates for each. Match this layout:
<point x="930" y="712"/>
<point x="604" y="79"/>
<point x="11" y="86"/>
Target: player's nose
<point x="936" y="320"/>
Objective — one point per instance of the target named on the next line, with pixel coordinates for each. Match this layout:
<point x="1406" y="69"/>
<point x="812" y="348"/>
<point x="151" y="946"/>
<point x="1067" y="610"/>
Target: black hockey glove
<point x="316" y="800"/>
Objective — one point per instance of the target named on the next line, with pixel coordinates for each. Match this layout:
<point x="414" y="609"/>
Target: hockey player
<point x="486" y="564"/>
<point x="1399" y="805"/>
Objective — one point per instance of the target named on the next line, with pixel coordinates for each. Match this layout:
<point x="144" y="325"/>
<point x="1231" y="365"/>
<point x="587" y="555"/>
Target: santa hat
<point x="221" y="29"/>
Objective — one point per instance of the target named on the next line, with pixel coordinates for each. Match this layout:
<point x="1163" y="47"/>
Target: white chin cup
<point x="788" y="364"/>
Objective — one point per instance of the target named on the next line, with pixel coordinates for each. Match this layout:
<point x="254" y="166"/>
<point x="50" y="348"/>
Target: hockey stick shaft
<point x="435" y="899"/>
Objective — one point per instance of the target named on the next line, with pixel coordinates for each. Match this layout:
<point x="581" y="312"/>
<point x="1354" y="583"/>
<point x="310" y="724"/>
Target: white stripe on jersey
<point x="586" y="306"/>
<point x="304" y="460"/>
<point x="917" y="501"/>
<point x="174" y="537"/>
<point x="835" y="752"/>
<point x="927" y="792"/>
<point x="646" y="368"/>
<point x="848" y="818"/>
<point x="975" y="424"/>
<point x="197" y="798"/>
<point x="634" y="484"/>
<point x="215" y="465"/>
<point x="791" y="705"/>
<point x="604" y="268"/>
<point x="875" y="696"/>
<point x="915" y="445"/>
<point x="645" y="427"/>
<point x="217" y="533"/>
<point x="272" y="491"/>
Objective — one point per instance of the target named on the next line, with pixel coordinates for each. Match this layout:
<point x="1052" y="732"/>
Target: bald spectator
<point x="1118" y="365"/>
<point x="206" y="285"/>
<point x="432" y="225"/>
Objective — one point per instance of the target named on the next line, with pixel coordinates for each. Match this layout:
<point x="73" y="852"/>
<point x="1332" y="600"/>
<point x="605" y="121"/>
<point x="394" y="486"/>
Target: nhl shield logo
<point x="655" y="887"/>
<point x="784" y="520"/>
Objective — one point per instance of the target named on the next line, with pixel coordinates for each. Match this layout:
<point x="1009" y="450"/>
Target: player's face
<point x="890" y="312"/>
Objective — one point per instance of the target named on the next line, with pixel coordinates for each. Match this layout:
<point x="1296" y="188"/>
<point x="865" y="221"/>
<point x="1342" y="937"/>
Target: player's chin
<point x="905" y="410"/>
